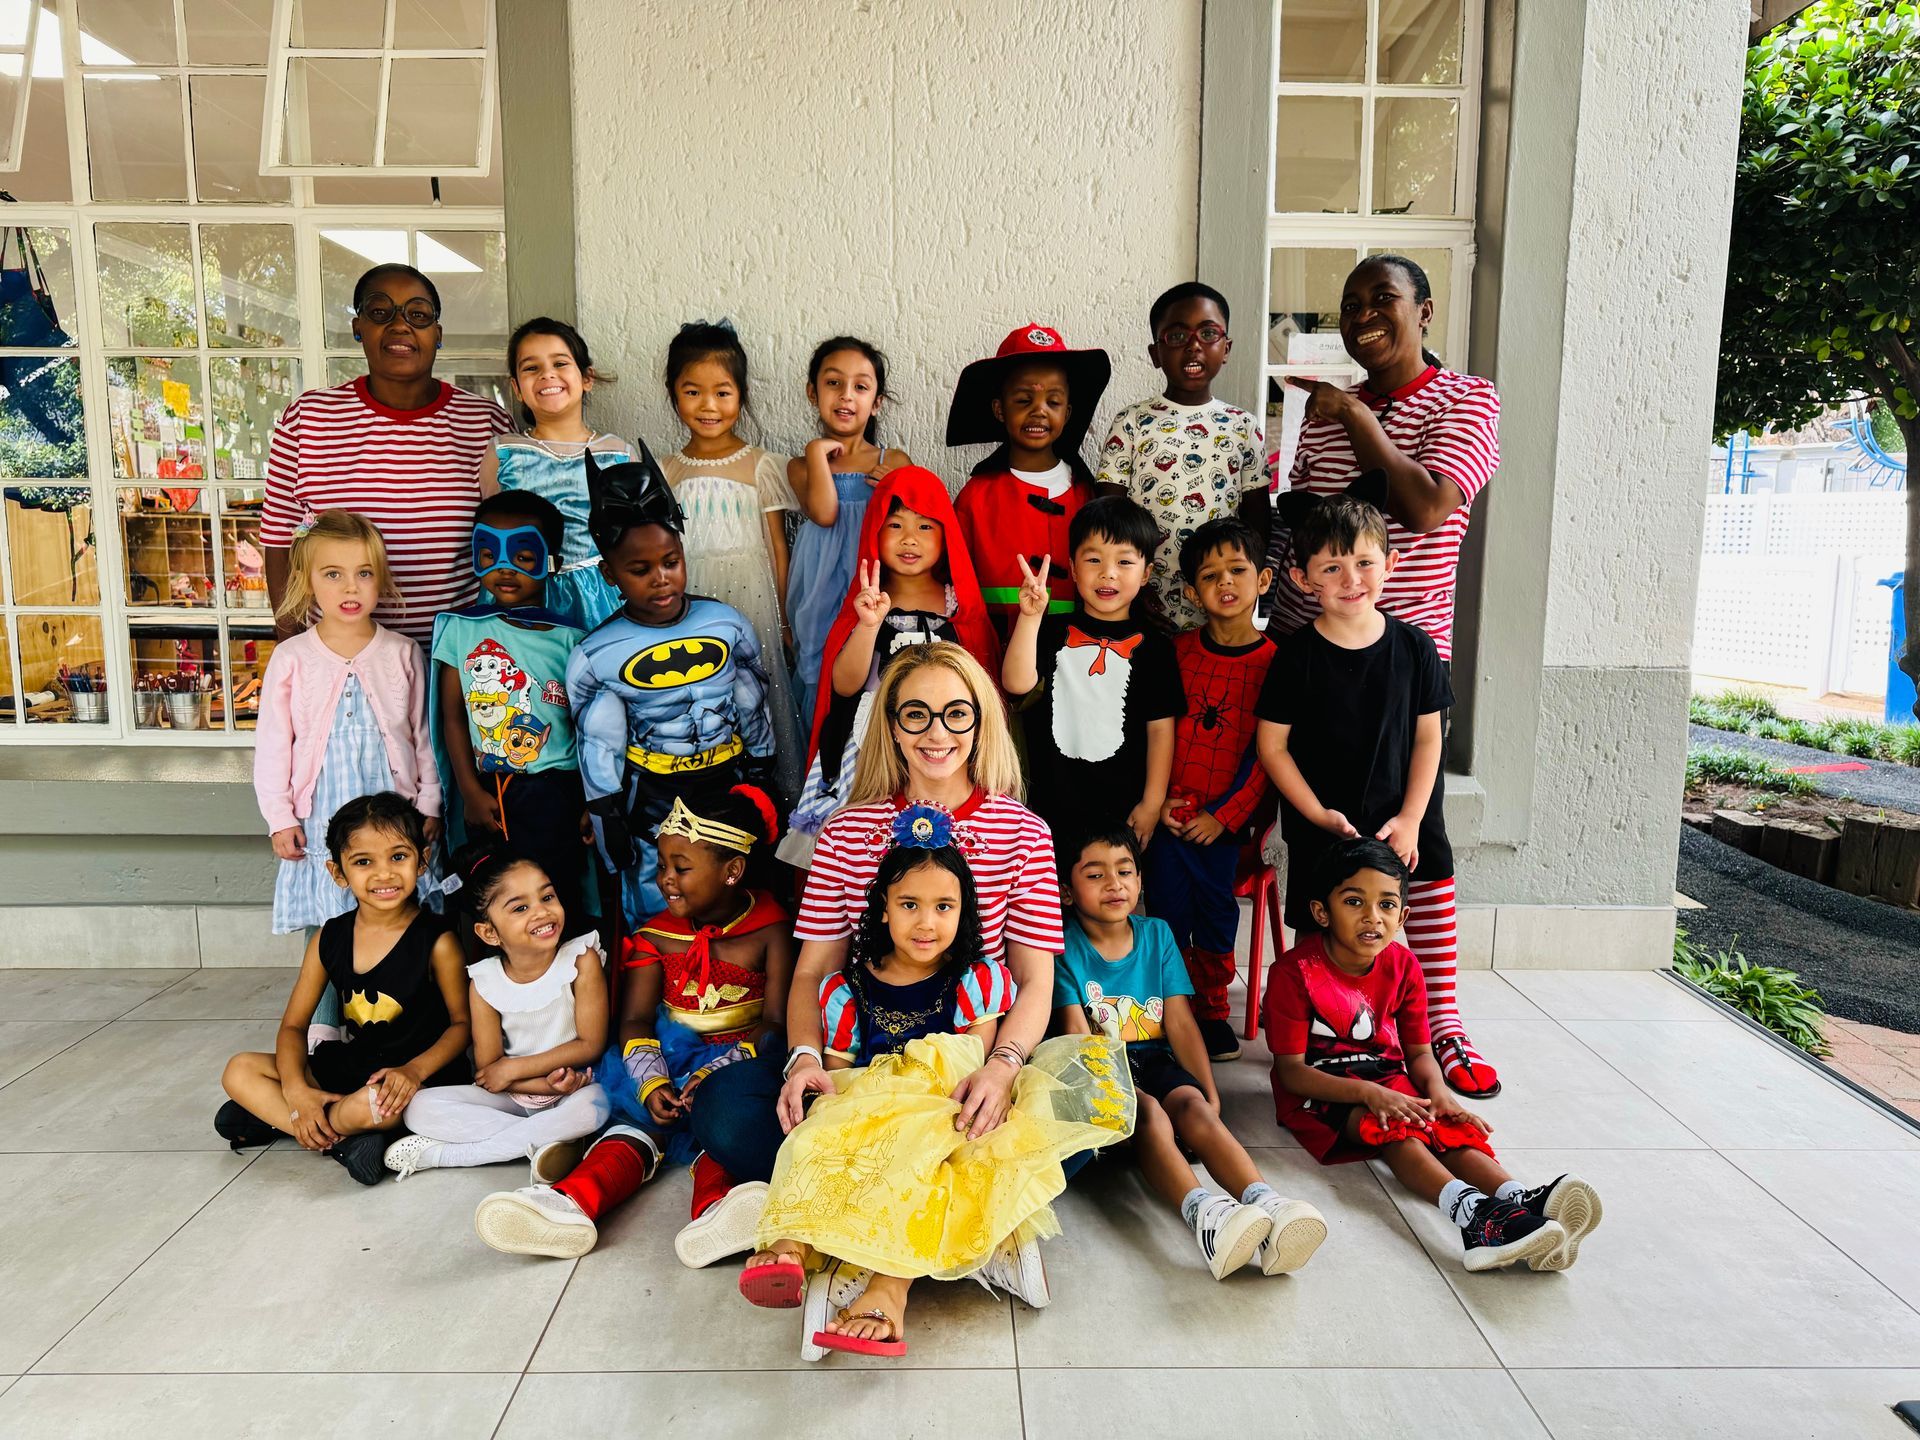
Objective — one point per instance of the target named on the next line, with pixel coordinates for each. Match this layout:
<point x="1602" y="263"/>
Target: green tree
<point x="1823" y="276"/>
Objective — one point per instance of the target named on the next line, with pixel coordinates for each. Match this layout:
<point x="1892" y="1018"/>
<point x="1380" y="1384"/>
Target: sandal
<point x="860" y="1345"/>
<point x="776" y="1285"/>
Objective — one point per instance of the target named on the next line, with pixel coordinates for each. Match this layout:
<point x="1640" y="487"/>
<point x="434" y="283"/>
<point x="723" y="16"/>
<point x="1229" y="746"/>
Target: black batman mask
<point x="1290" y="507"/>
<point x="634" y="492"/>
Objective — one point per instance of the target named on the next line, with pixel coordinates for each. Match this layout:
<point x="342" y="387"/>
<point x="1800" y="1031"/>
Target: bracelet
<point x="1010" y="1054"/>
<point x="794" y="1055"/>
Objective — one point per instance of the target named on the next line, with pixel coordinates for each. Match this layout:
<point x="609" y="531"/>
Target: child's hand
<point x="496" y="1077"/>
<point x="870" y="602"/>
<point x="1203" y="829"/>
<point x="432" y="828"/>
<point x="825" y="449"/>
<point x="586" y="828"/>
<point x="1034" y="594"/>
<point x="392" y="1088"/>
<point x="1446" y="1105"/>
<point x="1141" y="820"/>
<point x="566" y="1079"/>
<point x="482" y="809"/>
<point x="309" y="1112"/>
<point x="665" y="1105"/>
<point x="1389" y="1105"/>
<point x="1403" y="835"/>
<point x="290" y="843"/>
<point x="1339" y="824"/>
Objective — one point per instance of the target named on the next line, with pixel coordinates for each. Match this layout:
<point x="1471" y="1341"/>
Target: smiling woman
<point x="395" y="445"/>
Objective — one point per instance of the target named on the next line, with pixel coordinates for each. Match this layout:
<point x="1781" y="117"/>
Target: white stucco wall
<point x="926" y="176"/>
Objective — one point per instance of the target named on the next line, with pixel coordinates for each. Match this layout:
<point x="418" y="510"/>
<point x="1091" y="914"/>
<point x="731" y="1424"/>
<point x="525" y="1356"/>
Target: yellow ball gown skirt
<point x="877" y="1175"/>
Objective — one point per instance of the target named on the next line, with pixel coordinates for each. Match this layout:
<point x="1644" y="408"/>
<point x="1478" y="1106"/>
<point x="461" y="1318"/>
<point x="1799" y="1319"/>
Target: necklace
<point x="576" y="447"/>
<point x="711" y="460"/>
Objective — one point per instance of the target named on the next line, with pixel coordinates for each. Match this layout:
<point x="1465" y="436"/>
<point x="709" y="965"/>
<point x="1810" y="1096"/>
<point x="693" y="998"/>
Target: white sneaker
<point x="553" y="1162"/>
<point x="1229" y="1233"/>
<point x="1015" y="1266"/>
<point x="727" y="1228"/>
<point x="829" y="1291"/>
<point x="536" y="1220"/>
<point x="1298" y="1229"/>
<point x="413" y="1152"/>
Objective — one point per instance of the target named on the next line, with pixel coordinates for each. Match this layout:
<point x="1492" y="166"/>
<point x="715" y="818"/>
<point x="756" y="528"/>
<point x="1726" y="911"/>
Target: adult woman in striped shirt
<point x="395" y="445"/>
<point x="1436" y="434"/>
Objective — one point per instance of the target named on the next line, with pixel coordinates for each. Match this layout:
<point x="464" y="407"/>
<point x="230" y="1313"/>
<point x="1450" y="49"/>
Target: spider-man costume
<point x="1215" y="767"/>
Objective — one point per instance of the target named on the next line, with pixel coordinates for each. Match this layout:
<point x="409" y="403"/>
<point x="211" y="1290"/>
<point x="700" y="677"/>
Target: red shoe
<point x="1463" y="1069"/>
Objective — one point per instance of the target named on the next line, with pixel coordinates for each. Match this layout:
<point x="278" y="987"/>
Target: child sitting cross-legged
<point x="1123" y="976"/>
<point x="1354" y="1075"/>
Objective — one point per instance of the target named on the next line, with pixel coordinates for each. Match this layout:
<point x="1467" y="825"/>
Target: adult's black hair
<point x="1222" y="531"/>
<point x="1115" y="518"/>
<point x="875" y="356"/>
<point x="483" y="867"/>
<point x="382" y="810"/>
<point x="544" y="514"/>
<point x="872" y="941"/>
<point x="1347" y="858"/>
<point x="369" y="282"/>
<point x="1185" y="290"/>
<point x="560" y="330"/>
<point x="699" y="340"/>
<point x="1416" y="278"/>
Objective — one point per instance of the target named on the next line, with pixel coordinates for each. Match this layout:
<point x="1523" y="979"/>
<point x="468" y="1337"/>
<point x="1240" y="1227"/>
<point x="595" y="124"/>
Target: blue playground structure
<point x="1883" y="470"/>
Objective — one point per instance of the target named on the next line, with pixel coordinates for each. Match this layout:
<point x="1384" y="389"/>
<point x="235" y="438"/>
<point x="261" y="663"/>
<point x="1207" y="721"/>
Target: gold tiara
<point x="683" y="822"/>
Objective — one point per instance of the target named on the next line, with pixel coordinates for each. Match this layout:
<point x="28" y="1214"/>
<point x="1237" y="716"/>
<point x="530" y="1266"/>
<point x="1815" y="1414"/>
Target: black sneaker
<point x="1221" y="1041"/>
<point x="241" y="1128"/>
<point x="364" y="1155"/>
<point x="1574" y="1204"/>
<point x="1503" y="1231"/>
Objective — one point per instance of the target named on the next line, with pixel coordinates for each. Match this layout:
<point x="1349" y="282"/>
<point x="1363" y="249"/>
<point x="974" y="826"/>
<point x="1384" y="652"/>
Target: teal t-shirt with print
<point x="512" y="667"/>
<point x="1125" y="999"/>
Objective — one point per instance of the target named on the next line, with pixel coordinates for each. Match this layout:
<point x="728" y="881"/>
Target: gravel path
<point x="1882" y="783"/>
<point x="1861" y="955"/>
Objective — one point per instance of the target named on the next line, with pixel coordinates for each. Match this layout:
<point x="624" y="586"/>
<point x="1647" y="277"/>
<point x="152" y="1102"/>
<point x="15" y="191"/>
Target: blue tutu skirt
<point x="818" y="579"/>
<point x="685" y="1051"/>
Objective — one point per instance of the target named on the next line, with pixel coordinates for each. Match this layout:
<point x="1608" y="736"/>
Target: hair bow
<point x="634" y="492"/>
<point x="723" y="323"/>
<point x="923" y="827"/>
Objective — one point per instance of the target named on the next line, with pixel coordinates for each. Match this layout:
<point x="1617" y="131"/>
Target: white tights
<point x="481" y="1128"/>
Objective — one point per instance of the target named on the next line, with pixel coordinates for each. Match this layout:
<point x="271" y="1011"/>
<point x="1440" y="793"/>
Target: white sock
<point x="1257" y="1192"/>
<point x="1458" y="1200"/>
<point x="1509" y="1190"/>
<point x="1190" y="1204"/>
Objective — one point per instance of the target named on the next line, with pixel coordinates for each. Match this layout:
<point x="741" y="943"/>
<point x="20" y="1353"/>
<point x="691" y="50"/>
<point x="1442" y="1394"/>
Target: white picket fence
<point x="1789" y="592"/>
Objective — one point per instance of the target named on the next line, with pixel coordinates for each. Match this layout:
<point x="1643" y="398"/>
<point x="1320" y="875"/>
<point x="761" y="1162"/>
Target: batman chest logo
<point x="362" y="1011"/>
<point x="672" y="663"/>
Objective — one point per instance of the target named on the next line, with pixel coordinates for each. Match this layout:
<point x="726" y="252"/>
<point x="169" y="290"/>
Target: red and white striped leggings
<point x="1432" y="934"/>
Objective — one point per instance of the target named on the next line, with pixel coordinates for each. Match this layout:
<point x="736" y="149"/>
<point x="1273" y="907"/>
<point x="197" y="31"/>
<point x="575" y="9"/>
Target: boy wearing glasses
<point x="1183" y="455"/>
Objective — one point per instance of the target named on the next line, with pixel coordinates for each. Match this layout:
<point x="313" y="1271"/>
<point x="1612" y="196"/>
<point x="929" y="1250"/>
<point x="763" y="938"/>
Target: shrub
<point x="1709" y="764"/>
<point x="1775" y="998"/>
<point x="1903" y="744"/>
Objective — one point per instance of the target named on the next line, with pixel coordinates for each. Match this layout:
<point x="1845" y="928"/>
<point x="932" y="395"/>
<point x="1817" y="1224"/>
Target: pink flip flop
<point x="775" y="1286"/>
<point x="860" y="1345"/>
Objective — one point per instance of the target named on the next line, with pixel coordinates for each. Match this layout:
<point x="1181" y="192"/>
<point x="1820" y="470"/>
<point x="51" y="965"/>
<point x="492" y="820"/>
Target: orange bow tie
<point x="1078" y="639"/>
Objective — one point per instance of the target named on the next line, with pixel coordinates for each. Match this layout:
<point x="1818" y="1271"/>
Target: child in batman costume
<point x="668" y="693"/>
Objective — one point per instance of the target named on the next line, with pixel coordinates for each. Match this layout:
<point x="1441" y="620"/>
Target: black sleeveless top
<point x="396" y="1008"/>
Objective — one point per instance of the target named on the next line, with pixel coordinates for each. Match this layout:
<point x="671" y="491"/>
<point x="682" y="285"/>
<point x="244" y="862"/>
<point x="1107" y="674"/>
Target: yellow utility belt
<point x="658" y="762"/>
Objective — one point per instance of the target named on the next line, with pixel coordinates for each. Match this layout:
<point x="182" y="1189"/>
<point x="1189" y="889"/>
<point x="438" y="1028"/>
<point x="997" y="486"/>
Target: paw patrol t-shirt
<point x="1187" y="464"/>
<point x="512" y="671"/>
<point x="1125" y="999"/>
<point x="1102" y="682"/>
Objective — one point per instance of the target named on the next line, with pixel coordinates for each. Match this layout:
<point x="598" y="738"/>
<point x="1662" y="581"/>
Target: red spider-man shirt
<point x="1213" y="752"/>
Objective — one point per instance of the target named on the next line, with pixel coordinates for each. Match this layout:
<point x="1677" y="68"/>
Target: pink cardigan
<point x="297" y="700"/>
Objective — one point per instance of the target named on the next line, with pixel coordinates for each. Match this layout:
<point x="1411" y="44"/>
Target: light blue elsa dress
<point x="553" y="470"/>
<point x="819" y="574"/>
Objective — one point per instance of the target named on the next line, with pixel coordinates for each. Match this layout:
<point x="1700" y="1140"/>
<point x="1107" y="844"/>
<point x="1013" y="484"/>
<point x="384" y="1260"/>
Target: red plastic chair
<point x="1261" y="884"/>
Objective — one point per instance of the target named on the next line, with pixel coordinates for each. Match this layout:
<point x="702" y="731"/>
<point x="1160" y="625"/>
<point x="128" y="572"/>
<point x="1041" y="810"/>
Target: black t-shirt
<point x="1101" y="684"/>
<point x="1353" y="715"/>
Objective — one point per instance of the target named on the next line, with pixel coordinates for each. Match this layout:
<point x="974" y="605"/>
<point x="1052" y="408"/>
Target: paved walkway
<point x="1881" y="783"/>
<point x="1756" y="1275"/>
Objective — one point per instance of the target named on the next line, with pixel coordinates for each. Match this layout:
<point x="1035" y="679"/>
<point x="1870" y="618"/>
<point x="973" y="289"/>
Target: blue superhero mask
<point x="508" y="548"/>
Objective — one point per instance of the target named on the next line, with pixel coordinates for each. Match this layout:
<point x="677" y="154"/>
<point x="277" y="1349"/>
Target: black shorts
<point x="1156" y="1072"/>
<point x="340" y="1067"/>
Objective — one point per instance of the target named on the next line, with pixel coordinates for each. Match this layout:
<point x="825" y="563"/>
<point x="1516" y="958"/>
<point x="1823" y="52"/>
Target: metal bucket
<point x="189" y="712"/>
<point x="89" y="707"/>
<point x="148" y="708"/>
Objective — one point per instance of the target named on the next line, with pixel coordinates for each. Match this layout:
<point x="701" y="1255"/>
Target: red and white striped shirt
<point x="1011" y="856"/>
<point x="414" y="473"/>
<point x="1450" y="423"/>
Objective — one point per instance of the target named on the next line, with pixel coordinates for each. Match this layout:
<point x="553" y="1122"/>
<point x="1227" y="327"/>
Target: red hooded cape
<point x="924" y="493"/>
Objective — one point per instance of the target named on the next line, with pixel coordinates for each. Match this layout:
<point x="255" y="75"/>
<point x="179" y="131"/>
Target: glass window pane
<point x="469" y="269"/>
<point x="242" y="561"/>
<point x="226" y="139"/>
<point x="13" y="75"/>
<point x="51" y="544"/>
<point x="36" y="289"/>
<point x="345" y="255"/>
<point x="339" y="24"/>
<point x="176" y="677"/>
<point x="439" y="24"/>
<point x="1439" y="267"/>
<point x="62" y="669"/>
<point x="415" y="189"/>
<point x="1323" y="40"/>
<point x="125" y="32"/>
<point x="1316" y="154"/>
<point x="167" y="540"/>
<point x="433" y="112"/>
<point x="248" y="396"/>
<point x="342" y="368"/>
<point x="249" y="647"/>
<point x="1420" y="42"/>
<point x="154" y="417"/>
<point x="9" y="714"/>
<point x="136" y="147"/>
<point x="1415" y="149"/>
<point x="1304" y="300"/>
<point x="41" y="420"/>
<point x="46" y="172"/>
<point x="229" y="32"/>
<point x="481" y="377"/>
<point x="332" y="108"/>
<point x="247" y="273"/>
<point x="146" y="285"/>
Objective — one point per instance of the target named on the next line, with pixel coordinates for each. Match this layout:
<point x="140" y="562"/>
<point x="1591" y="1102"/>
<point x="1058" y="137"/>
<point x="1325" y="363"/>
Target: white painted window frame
<point x="16" y="150"/>
<point x="283" y="52"/>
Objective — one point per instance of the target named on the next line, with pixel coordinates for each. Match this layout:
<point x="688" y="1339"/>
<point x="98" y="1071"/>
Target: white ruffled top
<point x="538" y="1015"/>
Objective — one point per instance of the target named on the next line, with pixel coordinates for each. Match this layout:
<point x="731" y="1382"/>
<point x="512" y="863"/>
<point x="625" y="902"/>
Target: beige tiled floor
<point x="1756" y="1274"/>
